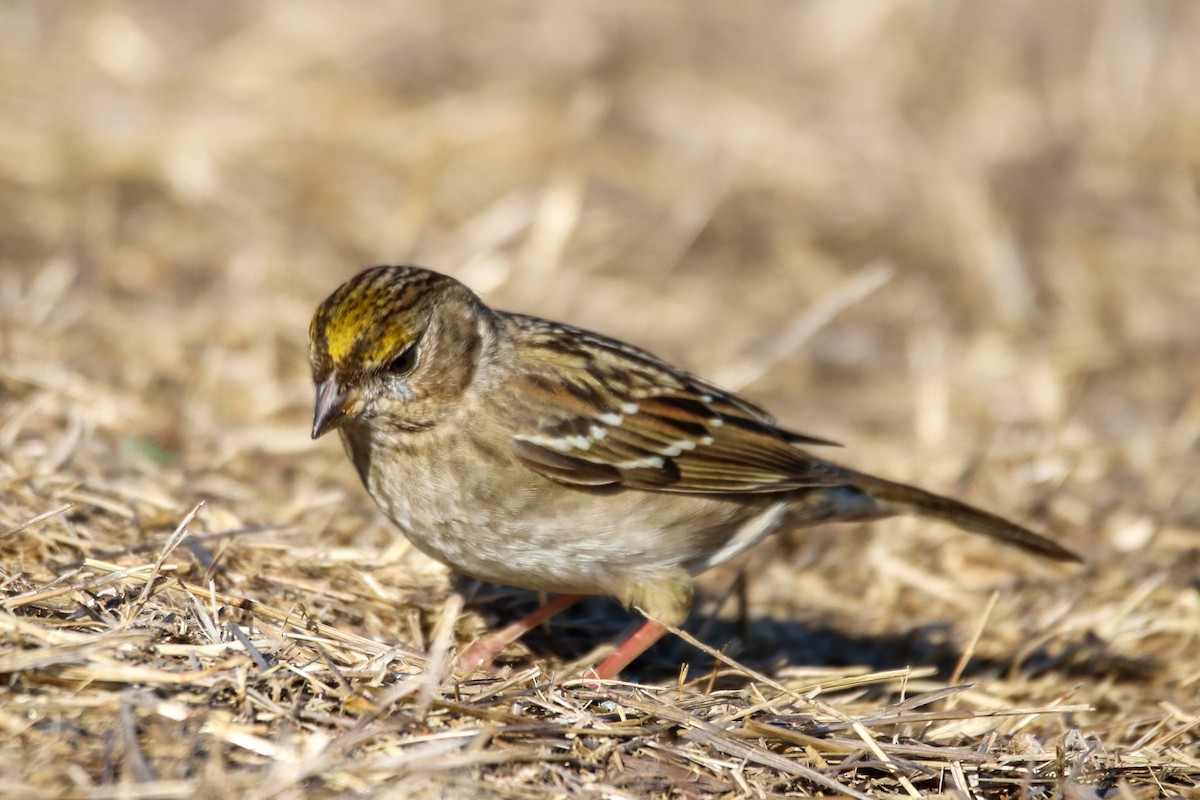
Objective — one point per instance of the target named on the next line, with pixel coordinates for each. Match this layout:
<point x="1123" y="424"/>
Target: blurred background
<point x="961" y="238"/>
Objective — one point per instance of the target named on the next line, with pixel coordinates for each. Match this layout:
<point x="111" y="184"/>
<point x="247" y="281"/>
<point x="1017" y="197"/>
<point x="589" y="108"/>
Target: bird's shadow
<point x="768" y="645"/>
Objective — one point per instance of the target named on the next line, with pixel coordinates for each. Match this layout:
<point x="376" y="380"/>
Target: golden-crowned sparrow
<point x="529" y="453"/>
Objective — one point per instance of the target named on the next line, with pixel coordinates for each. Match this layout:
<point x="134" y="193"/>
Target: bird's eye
<point x="403" y="364"/>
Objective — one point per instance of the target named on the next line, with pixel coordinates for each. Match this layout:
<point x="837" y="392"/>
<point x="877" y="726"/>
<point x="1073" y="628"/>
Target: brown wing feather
<point x="601" y="412"/>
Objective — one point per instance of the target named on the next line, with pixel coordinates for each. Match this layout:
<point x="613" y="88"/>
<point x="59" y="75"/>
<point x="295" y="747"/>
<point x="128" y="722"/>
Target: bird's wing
<point x="592" y="411"/>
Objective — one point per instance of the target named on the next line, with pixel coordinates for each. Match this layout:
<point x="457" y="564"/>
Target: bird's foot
<point x="484" y="652"/>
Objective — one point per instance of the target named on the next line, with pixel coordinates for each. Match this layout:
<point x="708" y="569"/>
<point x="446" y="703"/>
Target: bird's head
<point x="395" y="346"/>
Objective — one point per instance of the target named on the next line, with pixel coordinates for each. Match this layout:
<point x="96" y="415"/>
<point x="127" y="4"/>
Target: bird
<point x="531" y="453"/>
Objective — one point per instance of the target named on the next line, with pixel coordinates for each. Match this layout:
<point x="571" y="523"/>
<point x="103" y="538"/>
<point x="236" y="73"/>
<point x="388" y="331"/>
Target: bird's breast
<point x="504" y="524"/>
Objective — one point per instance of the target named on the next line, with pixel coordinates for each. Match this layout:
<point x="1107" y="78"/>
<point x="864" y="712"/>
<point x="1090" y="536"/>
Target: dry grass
<point x="962" y="238"/>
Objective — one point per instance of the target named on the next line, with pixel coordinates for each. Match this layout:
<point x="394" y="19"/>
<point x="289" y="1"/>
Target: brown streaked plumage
<point x="526" y="452"/>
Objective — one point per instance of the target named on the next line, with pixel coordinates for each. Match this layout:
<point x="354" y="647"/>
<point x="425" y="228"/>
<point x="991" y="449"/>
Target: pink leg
<point x="630" y="649"/>
<point x="482" y="652"/>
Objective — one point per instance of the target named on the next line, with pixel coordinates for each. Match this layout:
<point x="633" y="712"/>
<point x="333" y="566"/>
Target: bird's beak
<point x="333" y="404"/>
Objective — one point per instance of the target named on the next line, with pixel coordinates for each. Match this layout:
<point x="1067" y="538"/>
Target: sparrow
<point x="530" y="453"/>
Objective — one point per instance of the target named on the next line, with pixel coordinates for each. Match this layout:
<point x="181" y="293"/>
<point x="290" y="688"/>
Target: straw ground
<point x="963" y="239"/>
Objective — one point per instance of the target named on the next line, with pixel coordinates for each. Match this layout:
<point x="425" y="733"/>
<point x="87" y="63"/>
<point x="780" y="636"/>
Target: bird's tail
<point x="899" y="498"/>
